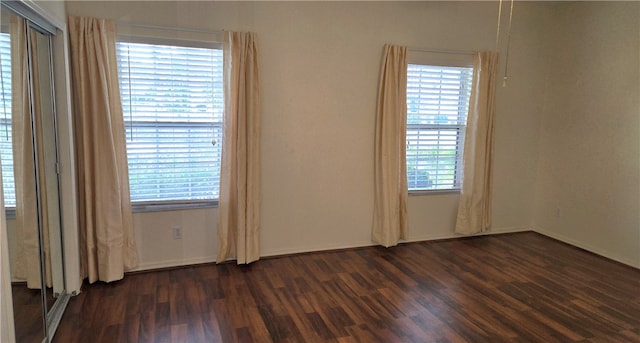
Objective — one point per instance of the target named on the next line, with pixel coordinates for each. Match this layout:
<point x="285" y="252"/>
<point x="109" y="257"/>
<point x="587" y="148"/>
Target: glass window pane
<point x="173" y="107"/>
<point x="437" y="105"/>
<point x="6" y="144"/>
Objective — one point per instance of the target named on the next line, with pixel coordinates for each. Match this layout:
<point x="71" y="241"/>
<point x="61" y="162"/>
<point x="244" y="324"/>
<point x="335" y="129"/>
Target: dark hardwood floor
<point x="521" y="287"/>
<point x="27" y="312"/>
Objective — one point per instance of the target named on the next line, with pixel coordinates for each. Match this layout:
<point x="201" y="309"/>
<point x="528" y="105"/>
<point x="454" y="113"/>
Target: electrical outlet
<point x="177" y="233"/>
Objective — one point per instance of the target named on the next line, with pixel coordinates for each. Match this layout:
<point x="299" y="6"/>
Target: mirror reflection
<point x="28" y="149"/>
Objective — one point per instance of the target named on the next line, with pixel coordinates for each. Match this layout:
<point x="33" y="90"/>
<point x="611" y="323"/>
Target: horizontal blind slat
<point x="6" y="140"/>
<point x="437" y="105"/>
<point x="173" y="106"/>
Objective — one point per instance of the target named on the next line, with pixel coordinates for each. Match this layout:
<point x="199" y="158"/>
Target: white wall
<point x="320" y="64"/>
<point x="52" y="10"/>
<point x="588" y="190"/>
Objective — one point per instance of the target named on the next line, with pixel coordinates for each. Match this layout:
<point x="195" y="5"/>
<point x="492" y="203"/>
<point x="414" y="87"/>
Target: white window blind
<point x="172" y="100"/>
<point x="437" y="105"/>
<point x="6" y="145"/>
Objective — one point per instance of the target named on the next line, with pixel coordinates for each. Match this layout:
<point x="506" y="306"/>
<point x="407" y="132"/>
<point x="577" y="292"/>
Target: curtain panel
<point x="474" y="209"/>
<point x="390" y="175"/>
<point x="106" y="221"/>
<point x="240" y="189"/>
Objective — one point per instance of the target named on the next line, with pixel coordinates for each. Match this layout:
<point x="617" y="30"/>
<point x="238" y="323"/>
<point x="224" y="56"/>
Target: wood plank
<point x="512" y="287"/>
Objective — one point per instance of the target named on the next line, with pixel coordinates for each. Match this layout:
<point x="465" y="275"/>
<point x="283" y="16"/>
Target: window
<point x="437" y="105"/>
<point x="173" y="105"/>
<point x="6" y="143"/>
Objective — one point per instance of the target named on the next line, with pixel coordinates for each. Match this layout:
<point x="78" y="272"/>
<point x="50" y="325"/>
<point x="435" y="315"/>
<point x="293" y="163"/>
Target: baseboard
<point x="173" y="263"/>
<point x="455" y="235"/>
<point x="292" y="251"/>
<point x="588" y="247"/>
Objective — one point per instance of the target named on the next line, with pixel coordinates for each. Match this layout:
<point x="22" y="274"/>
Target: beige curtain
<point x="390" y="175"/>
<point x="240" y="195"/>
<point x="106" y="224"/>
<point x="474" y="209"/>
<point x="27" y="263"/>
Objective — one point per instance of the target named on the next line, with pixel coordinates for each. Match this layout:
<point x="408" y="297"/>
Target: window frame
<point x="441" y="59"/>
<point x="170" y="205"/>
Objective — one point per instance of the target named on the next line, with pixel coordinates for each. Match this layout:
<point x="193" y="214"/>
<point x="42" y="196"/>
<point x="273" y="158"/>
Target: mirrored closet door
<point x="28" y="149"/>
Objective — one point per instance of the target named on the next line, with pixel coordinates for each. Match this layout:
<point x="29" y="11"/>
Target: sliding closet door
<point x="47" y="155"/>
<point x="19" y="181"/>
<point x="30" y="174"/>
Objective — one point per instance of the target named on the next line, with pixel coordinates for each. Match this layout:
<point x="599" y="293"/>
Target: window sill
<point x="434" y="192"/>
<point x="139" y="207"/>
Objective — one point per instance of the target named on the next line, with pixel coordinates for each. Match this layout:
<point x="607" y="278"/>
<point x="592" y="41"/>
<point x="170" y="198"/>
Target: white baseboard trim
<point x="173" y="263"/>
<point x="589" y="247"/>
<point x="455" y="235"/>
<point x="315" y="249"/>
<point x="210" y="259"/>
